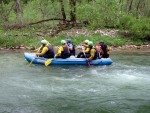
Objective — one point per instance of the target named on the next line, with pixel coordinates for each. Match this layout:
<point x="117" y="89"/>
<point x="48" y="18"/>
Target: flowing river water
<point x="123" y="87"/>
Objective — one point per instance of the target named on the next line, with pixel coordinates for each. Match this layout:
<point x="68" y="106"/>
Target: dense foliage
<point x="132" y="16"/>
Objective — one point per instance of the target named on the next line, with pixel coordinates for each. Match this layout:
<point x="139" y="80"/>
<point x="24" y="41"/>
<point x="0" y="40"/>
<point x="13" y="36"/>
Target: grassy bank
<point x="32" y="41"/>
<point x="28" y="37"/>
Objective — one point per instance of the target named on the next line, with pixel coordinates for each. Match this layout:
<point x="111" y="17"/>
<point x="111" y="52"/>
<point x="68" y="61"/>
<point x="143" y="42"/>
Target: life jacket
<point x="65" y="53"/>
<point x="87" y="52"/>
<point x="96" y="53"/>
<point x="105" y="50"/>
<point x="108" y="50"/>
<point x="50" y="53"/>
<point x="73" y="51"/>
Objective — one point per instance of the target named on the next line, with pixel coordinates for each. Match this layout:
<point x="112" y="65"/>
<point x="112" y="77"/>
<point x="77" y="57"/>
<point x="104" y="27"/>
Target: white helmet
<point x="86" y="41"/>
<point x="44" y="41"/>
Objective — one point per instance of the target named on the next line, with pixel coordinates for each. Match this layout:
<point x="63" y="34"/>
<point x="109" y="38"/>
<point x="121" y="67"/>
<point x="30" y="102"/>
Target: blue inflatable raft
<point x="30" y="57"/>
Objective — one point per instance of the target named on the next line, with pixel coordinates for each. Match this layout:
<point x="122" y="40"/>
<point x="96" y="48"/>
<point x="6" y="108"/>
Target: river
<point x="123" y="87"/>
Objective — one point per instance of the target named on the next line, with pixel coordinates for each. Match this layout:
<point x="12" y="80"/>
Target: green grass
<point x="29" y="42"/>
<point x="9" y="38"/>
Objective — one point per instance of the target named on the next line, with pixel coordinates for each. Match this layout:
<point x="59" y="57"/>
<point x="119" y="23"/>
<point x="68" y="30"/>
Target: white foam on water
<point x="94" y="72"/>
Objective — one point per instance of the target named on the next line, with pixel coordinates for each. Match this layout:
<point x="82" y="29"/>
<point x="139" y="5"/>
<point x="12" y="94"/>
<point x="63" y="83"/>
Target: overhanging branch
<point x="18" y="26"/>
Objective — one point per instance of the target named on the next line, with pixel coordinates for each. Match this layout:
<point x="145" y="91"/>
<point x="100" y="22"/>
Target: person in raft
<point x="104" y="50"/>
<point x="47" y="50"/>
<point x="71" y="47"/>
<point x="99" y="51"/>
<point x="63" y="50"/>
<point x="85" y="44"/>
<point x="92" y="52"/>
<point x="84" y="52"/>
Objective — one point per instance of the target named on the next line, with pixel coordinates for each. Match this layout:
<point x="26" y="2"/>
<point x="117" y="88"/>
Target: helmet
<point x="86" y="41"/>
<point x="101" y="41"/>
<point x="90" y="43"/>
<point x="44" y="41"/>
<point x="68" y="40"/>
<point x="63" y="41"/>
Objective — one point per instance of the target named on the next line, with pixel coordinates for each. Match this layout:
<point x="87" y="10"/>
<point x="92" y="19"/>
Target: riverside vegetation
<point x="117" y="22"/>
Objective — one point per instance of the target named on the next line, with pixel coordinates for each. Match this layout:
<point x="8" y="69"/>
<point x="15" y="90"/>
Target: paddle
<point x="82" y="48"/>
<point x="48" y="62"/>
<point x="37" y="51"/>
<point x="31" y="61"/>
<point x="33" y="58"/>
<point x="87" y="59"/>
<point x="88" y="62"/>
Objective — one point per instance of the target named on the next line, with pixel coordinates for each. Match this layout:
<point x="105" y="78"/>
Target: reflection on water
<point x="122" y="87"/>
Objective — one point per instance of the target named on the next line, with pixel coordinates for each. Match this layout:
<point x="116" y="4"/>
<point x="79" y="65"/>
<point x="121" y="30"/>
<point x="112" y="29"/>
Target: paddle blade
<point x="31" y="61"/>
<point x="47" y="62"/>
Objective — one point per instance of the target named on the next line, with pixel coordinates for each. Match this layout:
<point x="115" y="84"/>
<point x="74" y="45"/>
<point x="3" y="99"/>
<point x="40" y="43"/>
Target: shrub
<point x="139" y="28"/>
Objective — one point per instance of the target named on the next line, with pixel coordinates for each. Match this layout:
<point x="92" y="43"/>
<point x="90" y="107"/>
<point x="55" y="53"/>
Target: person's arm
<point x="92" y="53"/>
<point x="44" y="50"/>
<point x="38" y="49"/>
<point x="85" y="45"/>
<point x="60" y="49"/>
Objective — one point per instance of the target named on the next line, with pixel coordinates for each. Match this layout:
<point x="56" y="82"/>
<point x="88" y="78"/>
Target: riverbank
<point x="112" y="37"/>
<point x="113" y="49"/>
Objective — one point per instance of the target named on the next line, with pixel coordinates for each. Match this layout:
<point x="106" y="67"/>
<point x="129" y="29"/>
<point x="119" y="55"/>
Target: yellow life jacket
<point x="108" y="50"/>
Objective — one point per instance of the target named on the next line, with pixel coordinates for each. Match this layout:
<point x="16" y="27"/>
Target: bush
<point x="139" y="28"/>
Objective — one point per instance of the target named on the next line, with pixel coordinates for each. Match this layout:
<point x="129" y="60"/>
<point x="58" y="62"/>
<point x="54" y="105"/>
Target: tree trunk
<point x="63" y="11"/>
<point x="73" y="11"/>
<point x="106" y="14"/>
<point x="119" y="12"/>
<point x="129" y="5"/>
<point x="139" y="8"/>
<point x="19" y="12"/>
<point x="147" y="8"/>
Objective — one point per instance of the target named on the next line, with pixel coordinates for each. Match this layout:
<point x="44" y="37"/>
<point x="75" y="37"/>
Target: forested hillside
<point x="131" y="17"/>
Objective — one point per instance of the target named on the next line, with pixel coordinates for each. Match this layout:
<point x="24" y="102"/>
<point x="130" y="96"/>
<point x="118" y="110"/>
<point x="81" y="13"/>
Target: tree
<point x="19" y="12"/>
<point x="73" y="11"/>
<point x="120" y="2"/>
<point x="140" y="8"/>
<point x="129" y="5"/>
<point x="5" y="10"/>
<point x="63" y="10"/>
